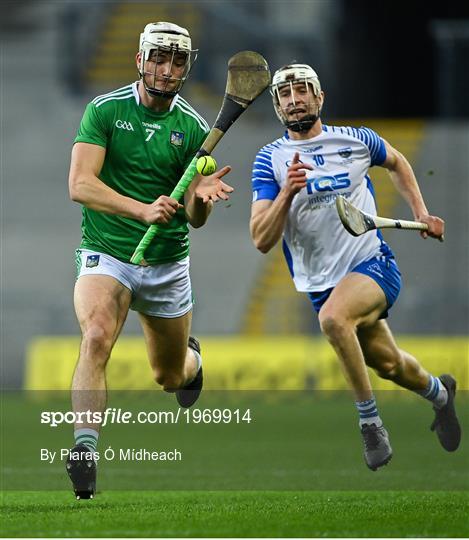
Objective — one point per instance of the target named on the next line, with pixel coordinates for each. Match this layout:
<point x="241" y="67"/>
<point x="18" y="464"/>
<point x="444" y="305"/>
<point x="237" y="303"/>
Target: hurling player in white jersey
<point x="352" y="282"/>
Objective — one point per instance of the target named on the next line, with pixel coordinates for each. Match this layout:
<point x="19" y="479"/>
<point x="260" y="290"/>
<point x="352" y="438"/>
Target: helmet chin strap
<point x="157" y="93"/>
<point x="303" y="125"/>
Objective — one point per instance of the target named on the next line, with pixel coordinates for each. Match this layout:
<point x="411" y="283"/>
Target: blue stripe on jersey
<point x="265" y="189"/>
<point x="288" y="257"/>
<point x="263" y="159"/>
<point x="371" y="187"/>
<point x="373" y="141"/>
<point x="262" y="168"/>
<point x="375" y="144"/>
<point x="264" y="184"/>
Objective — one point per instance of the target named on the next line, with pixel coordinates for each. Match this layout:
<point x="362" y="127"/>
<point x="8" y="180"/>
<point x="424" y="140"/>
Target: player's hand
<point x="296" y="175"/>
<point x="162" y="210"/>
<point x="436" y="226"/>
<point x="212" y="188"/>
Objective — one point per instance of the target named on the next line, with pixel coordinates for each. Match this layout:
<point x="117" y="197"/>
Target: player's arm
<point x="202" y="192"/>
<point x="404" y="179"/>
<point x="86" y="188"/>
<point x="268" y="218"/>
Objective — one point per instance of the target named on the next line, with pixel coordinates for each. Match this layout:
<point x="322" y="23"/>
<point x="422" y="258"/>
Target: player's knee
<point x="334" y="326"/>
<point x="169" y="381"/>
<point x="97" y="342"/>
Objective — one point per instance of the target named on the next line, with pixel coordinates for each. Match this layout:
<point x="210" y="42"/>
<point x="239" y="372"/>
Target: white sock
<point x="198" y="364"/>
<point x="368" y="412"/>
<point x="198" y="359"/>
<point x="435" y="392"/>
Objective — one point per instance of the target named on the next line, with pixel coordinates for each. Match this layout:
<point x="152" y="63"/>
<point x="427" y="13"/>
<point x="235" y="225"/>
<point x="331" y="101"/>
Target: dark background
<point x="391" y="44"/>
<point x="386" y="58"/>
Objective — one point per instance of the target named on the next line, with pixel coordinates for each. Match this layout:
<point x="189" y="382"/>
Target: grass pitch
<point x="296" y="470"/>
<point x="242" y="514"/>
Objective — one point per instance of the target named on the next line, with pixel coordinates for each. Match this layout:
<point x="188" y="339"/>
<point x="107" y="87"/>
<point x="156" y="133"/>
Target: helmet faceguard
<point x="168" y="41"/>
<point x="289" y="76"/>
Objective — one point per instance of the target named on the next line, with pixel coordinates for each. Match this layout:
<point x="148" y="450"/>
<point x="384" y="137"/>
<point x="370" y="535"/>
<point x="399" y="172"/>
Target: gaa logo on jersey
<point x="123" y="124"/>
<point x="176" y="138"/>
<point x="92" y="261"/>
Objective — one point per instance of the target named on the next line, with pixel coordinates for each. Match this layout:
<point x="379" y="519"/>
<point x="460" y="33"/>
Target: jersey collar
<point x="303" y="141"/>
<point x="137" y="96"/>
<point x="135" y="92"/>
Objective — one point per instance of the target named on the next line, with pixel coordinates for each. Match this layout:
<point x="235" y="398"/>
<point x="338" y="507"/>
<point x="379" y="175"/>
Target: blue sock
<point x="368" y="412"/>
<point x="435" y="392"/>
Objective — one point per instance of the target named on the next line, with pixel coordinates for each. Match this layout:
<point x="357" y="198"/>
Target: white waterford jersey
<point x="318" y="250"/>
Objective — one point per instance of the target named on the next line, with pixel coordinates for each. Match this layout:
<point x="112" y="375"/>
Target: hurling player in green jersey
<point x="132" y="147"/>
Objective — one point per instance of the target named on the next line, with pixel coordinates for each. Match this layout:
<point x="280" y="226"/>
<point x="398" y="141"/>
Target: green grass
<point x="296" y="471"/>
<point x="242" y="514"/>
<point x="295" y="442"/>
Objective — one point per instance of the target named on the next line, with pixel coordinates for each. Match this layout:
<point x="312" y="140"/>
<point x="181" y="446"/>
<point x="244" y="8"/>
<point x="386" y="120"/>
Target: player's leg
<point x="390" y="362"/>
<point x="357" y="300"/>
<point x="174" y="355"/>
<point x="384" y="356"/>
<point x="101" y="305"/>
<point x="164" y="303"/>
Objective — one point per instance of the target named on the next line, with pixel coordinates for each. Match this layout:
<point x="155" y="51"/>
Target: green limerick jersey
<point x="146" y="154"/>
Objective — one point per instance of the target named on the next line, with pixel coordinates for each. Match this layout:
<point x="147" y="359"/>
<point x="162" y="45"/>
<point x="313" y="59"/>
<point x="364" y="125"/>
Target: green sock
<point x="88" y="437"/>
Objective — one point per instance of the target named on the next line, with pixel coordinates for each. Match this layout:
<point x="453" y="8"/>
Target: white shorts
<point x="162" y="290"/>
